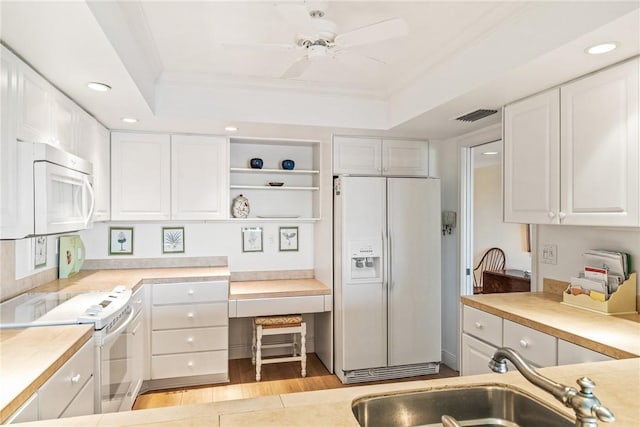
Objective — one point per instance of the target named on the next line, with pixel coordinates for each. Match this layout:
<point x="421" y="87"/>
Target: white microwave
<point x="60" y="187"/>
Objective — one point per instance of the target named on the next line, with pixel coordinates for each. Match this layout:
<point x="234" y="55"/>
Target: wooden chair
<point x="276" y="325"/>
<point x="492" y="260"/>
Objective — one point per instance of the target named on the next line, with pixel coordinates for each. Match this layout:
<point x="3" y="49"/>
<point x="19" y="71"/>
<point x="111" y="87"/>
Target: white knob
<point x="190" y="315"/>
<point x="551" y="215"/>
<point x="524" y="344"/>
<point x="191" y="292"/>
<point x="139" y="302"/>
<point x="378" y="169"/>
<point x="478" y="325"/>
<point x="190" y="364"/>
<point x="190" y="339"/>
<point x="562" y="215"/>
<point x="75" y="379"/>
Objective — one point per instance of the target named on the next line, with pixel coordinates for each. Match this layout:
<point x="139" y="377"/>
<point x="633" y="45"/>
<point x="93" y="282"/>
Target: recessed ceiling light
<point x="99" y="87"/>
<point x="129" y="120"/>
<point x="602" y="48"/>
<point x="230" y="128"/>
<point x="489" y="153"/>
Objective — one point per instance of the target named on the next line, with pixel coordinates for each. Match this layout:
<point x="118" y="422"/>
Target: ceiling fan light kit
<point x="318" y="37"/>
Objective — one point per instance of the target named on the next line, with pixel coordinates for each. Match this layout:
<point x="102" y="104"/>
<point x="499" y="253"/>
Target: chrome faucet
<point x="584" y="403"/>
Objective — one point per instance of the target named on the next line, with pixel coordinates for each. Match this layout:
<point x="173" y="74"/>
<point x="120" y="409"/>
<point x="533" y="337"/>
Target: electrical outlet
<point x="550" y="254"/>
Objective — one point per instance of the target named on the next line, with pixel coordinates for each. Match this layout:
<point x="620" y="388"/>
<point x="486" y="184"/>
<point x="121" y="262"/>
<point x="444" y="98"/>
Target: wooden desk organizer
<point x="622" y="301"/>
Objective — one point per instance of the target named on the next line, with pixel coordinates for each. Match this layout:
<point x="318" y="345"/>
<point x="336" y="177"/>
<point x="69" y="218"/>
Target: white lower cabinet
<point x="59" y="392"/>
<point x="476" y="355"/>
<point x="190" y="332"/>
<point x="25" y="413"/>
<point x="534" y="346"/>
<point x="569" y="353"/>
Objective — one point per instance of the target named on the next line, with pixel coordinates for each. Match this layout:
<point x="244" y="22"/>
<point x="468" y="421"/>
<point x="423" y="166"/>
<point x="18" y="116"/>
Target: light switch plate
<point x="549" y="254"/>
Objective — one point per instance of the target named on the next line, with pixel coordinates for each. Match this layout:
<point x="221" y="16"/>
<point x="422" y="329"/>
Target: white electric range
<point x="111" y="314"/>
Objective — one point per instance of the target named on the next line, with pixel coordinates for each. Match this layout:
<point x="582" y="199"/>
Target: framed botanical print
<point x="288" y="239"/>
<point x="172" y="240"/>
<point x="120" y="240"/>
<point x="40" y="251"/>
<point x="252" y="239"/>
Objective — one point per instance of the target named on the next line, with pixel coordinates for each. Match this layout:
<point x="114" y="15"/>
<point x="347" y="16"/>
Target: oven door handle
<point x="113" y="335"/>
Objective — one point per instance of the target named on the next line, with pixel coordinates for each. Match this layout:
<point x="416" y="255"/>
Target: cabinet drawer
<point x="189" y="340"/>
<point x="482" y="325"/>
<point x="188" y="364"/>
<point x="56" y="394"/>
<point x="569" y="353"/>
<point x="273" y="306"/>
<point x="188" y="292"/>
<point x="189" y="315"/>
<point x="533" y="345"/>
<point x="25" y="413"/>
<point x="83" y="403"/>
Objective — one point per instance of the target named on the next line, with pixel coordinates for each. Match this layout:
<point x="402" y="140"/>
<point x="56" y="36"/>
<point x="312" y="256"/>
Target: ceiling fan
<point x="318" y="37"/>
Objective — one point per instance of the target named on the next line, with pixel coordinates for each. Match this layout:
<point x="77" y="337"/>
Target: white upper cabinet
<point x="375" y="156"/>
<point x="93" y="144"/>
<point x="405" y="157"/>
<point x="572" y="157"/>
<point x="34" y="109"/>
<point x="140" y="176"/>
<point x="357" y="155"/>
<point x="599" y="150"/>
<point x="531" y="159"/>
<point x="64" y="123"/>
<point x="199" y="174"/>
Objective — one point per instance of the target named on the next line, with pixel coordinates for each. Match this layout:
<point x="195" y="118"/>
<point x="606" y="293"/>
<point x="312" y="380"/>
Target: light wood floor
<point x="278" y="378"/>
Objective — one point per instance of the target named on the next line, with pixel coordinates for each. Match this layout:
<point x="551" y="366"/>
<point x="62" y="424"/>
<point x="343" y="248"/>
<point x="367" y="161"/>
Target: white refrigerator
<point x="386" y="277"/>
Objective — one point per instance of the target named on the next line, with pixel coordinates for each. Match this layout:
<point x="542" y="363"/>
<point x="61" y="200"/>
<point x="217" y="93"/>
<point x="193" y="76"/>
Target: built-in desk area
<point x="272" y="297"/>
<point x="505" y="281"/>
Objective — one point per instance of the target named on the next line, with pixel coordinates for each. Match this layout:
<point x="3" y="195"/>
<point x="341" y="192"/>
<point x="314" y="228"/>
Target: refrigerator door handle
<point x="390" y="263"/>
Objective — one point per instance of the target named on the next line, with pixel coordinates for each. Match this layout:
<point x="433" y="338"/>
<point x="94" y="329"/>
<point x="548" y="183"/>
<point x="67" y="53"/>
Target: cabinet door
<point x="475" y="356"/>
<point x="34" y="115"/>
<point x="600" y="184"/>
<point x="64" y="123"/>
<point x="140" y="176"/>
<point x="94" y="145"/>
<point x="531" y="156"/>
<point x="357" y="156"/>
<point x="199" y="174"/>
<point x="405" y="158"/>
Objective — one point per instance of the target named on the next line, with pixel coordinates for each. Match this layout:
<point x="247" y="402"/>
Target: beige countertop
<point x="617" y="386"/>
<point x="106" y="280"/>
<point x="29" y="357"/>
<point x="615" y="336"/>
<point x="277" y="288"/>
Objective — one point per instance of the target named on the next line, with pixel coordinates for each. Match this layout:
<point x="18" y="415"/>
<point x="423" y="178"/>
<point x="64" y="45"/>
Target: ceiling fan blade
<point x="297" y="16"/>
<point x="296" y="69"/>
<point x="258" y="46"/>
<point x="385" y="30"/>
<point x="342" y="53"/>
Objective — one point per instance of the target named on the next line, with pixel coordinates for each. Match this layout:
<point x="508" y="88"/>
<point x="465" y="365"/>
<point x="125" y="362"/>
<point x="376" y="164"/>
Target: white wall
<point x="210" y="239"/>
<point x="489" y="230"/>
<point x="573" y="241"/>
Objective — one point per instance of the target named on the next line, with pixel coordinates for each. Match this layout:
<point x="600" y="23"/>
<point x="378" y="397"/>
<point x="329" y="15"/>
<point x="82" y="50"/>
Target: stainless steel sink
<point x="490" y="405"/>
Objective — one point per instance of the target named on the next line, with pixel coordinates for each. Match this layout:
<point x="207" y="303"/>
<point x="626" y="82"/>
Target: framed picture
<point x="288" y="239"/>
<point x="40" y="251"/>
<point x="172" y="240"/>
<point x="120" y="240"/>
<point x="252" y="239"/>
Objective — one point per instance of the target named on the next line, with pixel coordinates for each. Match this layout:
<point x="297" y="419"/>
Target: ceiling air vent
<point x="476" y="115"/>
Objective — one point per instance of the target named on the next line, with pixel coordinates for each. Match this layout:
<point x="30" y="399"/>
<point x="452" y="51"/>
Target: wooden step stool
<point x="276" y="325"/>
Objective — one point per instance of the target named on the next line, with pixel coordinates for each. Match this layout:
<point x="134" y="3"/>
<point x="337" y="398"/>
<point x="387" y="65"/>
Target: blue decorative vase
<point x="288" y="164"/>
<point x="256" y="163"/>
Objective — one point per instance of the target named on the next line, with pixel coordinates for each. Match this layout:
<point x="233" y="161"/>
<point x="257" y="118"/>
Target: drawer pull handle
<point x="190" y="364"/>
<point x="190" y="315"/>
<point x="191" y="292"/>
<point x="478" y="325"/>
<point x="75" y="379"/>
<point x="190" y="339"/>
<point x="524" y="344"/>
